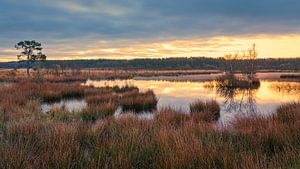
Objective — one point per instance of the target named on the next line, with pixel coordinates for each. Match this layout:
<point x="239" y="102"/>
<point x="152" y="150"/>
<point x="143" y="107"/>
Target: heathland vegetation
<point x="96" y="138"/>
<point x="102" y="136"/>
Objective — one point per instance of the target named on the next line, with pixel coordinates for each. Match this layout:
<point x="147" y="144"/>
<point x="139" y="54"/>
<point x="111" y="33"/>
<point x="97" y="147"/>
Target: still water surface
<point x="178" y="95"/>
<point x="72" y="105"/>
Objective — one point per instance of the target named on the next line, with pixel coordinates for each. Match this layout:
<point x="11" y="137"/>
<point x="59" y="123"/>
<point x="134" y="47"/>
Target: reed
<point x="126" y="88"/>
<point x="50" y="92"/>
<point x="100" y="99"/>
<point x="91" y="91"/>
<point x="99" y="111"/>
<point x="289" y="113"/>
<point x="60" y="114"/>
<point x="207" y="111"/>
<point x="171" y="117"/>
<point x="135" y="101"/>
<point x="128" y="142"/>
<point x="94" y="138"/>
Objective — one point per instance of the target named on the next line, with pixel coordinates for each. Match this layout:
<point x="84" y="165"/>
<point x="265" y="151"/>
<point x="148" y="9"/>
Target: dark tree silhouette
<point x="32" y="50"/>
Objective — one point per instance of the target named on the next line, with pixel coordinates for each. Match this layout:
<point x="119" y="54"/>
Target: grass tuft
<point x="206" y="111"/>
<point x="136" y="102"/>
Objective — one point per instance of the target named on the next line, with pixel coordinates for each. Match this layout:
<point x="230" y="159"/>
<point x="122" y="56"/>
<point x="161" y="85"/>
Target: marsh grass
<point x="207" y="111"/>
<point x="137" y="102"/>
<point x="99" y="111"/>
<point x="126" y="88"/>
<point x="64" y="75"/>
<point x="50" y="92"/>
<point x="289" y="113"/>
<point x="170" y="140"/>
<point x="92" y="91"/>
<point x="234" y="82"/>
<point x="171" y="117"/>
<point x="100" y="99"/>
<point x="60" y="114"/>
<point x="290" y="76"/>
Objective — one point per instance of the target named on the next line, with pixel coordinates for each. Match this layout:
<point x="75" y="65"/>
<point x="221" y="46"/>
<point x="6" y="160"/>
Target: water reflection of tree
<point x="238" y="100"/>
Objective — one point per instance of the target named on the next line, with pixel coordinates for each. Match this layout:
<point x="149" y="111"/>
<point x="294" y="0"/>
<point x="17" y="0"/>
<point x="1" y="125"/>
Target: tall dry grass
<point x="100" y="99"/>
<point x="99" y="111"/>
<point x="171" y="140"/>
<point x="208" y="111"/>
<point x="50" y="92"/>
<point x="138" y="101"/>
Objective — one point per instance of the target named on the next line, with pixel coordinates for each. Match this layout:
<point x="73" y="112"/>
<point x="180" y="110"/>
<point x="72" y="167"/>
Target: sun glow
<point x="269" y="46"/>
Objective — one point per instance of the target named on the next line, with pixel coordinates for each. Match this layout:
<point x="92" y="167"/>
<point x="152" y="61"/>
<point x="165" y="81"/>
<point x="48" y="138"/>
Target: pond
<point x="234" y="103"/>
<point x="77" y="105"/>
<point x="72" y="105"/>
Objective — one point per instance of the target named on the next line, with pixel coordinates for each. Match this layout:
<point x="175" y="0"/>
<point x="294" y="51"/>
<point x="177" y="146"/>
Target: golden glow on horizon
<point x="274" y="46"/>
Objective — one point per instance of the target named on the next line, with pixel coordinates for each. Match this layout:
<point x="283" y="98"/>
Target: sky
<point x="128" y="29"/>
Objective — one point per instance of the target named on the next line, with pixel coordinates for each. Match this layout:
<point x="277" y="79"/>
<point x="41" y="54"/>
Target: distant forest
<point x="160" y="64"/>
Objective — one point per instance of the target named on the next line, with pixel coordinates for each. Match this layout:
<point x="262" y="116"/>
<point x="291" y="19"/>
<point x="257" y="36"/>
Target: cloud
<point x="86" y="22"/>
<point x="95" y="7"/>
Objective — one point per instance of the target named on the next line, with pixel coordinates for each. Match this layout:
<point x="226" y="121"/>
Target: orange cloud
<point x="268" y="46"/>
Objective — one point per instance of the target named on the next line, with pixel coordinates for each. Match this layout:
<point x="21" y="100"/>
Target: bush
<point x="231" y="81"/>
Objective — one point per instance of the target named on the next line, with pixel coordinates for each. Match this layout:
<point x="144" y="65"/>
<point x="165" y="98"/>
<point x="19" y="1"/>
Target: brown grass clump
<point x="171" y="117"/>
<point x="99" y="111"/>
<point x="91" y="91"/>
<point x="19" y="101"/>
<point x="289" y="113"/>
<point x="125" y="88"/>
<point x="233" y="82"/>
<point x="135" y="101"/>
<point x="60" y="114"/>
<point x="104" y="98"/>
<point x="50" y="92"/>
<point x="206" y="111"/>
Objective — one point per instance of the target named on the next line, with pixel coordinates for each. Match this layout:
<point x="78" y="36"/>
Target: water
<point x="234" y="103"/>
<point x="72" y="105"/>
<point x="77" y="105"/>
<point x="141" y="115"/>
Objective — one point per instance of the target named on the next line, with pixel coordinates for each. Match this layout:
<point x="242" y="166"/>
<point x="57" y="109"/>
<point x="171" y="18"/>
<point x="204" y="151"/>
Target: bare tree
<point x="231" y="67"/>
<point x="248" y="63"/>
<point x="245" y="63"/>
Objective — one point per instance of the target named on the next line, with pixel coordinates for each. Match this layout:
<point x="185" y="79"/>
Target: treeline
<point x="166" y="63"/>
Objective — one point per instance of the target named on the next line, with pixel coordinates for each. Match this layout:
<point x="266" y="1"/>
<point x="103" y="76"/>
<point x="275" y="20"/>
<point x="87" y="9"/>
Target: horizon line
<point x="158" y="58"/>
